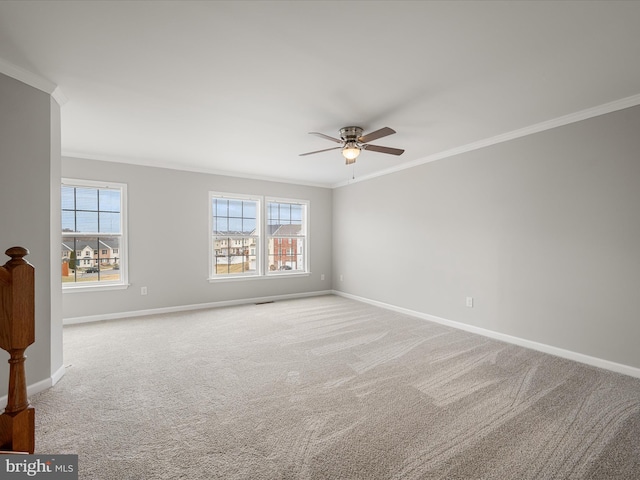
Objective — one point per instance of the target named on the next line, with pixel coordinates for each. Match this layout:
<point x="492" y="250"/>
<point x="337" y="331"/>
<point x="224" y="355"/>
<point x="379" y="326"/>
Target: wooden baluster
<point x="17" y="332"/>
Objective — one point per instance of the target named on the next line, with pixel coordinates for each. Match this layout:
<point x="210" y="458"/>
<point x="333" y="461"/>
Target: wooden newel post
<point x="17" y="332"/>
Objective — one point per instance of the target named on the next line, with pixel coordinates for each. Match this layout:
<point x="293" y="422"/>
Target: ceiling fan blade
<point x="378" y="148"/>
<point x="383" y="132"/>
<point x="326" y="136"/>
<point x="319" y="151"/>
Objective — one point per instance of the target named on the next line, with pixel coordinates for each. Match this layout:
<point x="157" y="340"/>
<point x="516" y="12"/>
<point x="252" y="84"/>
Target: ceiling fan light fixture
<point x="350" y="151"/>
<point x="352" y="142"/>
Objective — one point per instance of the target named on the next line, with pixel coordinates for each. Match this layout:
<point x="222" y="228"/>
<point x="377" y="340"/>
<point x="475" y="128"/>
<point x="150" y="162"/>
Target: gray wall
<point x="168" y="239"/>
<point x="29" y="160"/>
<point x="543" y="231"/>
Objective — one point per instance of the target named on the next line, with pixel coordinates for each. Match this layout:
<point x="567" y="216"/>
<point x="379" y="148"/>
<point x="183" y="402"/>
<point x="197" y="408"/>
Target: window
<point x="235" y="236"/>
<point x="286" y="225"/>
<point x="93" y="236"/>
<point x="251" y="237"/>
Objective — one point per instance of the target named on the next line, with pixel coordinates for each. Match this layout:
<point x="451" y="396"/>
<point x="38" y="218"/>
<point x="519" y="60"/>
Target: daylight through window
<point x="235" y="249"/>
<point x="286" y="236"/>
<point x="242" y="231"/>
<point x="93" y="242"/>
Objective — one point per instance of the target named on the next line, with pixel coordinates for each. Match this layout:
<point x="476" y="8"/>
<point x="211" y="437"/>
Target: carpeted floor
<point x="329" y="388"/>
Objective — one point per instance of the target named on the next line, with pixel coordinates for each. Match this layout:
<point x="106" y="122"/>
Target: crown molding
<point x="185" y="168"/>
<point x="33" y="80"/>
<point x="59" y="96"/>
<point x="585" y="114"/>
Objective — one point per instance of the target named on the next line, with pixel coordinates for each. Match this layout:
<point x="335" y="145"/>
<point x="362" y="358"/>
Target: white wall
<point x="168" y="240"/>
<point x="57" y="366"/>
<point x="543" y="231"/>
<point x="29" y="161"/>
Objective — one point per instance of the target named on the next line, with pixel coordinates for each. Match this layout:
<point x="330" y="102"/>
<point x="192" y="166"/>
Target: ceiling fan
<point x="352" y="142"/>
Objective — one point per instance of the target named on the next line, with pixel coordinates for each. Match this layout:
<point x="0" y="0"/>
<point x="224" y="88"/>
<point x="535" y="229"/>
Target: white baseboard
<point x="541" y="347"/>
<point x="183" y="308"/>
<point x="57" y="375"/>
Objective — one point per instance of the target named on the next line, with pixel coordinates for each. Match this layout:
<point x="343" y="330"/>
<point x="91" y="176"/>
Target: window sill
<point x="94" y="288"/>
<point x="258" y="277"/>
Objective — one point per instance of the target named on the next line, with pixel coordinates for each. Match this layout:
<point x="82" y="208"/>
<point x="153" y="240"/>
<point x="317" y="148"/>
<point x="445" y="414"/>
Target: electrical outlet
<point x="322" y="276"/>
<point x="470" y="302"/>
<point x="143" y="290"/>
<point x="342" y="278"/>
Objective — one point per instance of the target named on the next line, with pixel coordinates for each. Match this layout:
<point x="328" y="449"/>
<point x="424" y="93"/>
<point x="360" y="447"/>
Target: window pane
<point x="68" y="221"/>
<point x="110" y="200"/>
<point x="296" y="213"/>
<point x="221" y="207"/>
<point x="86" y="198"/>
<point x="222" y="267"/>
<point x="220" y="225"/>
<point x="109" y="253"/>
<point x="235" y="225"/>
<point x="68" y="200"/>
<point x="235" y="208"/>
<point x="249" y="210"/>
<point x="286" y="254"/>
<point x="87" y="222"/>
<point x="285" y="213"/>
<point x="80" y="260"/>
<point x="272" y="213"/>
<point x="91" y="259"/>
<point x="81" y="211"/>
<point x="109" y="222"/>
<point x="235" y="255"/>
<point x="248" y="225"/>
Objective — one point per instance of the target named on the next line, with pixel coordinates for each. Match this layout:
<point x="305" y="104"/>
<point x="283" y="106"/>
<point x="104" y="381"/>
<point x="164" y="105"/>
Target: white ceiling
<point x="235" y="87"/>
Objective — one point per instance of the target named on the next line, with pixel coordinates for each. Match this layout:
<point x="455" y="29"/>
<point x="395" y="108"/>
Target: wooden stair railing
<point x="17" y="332"/>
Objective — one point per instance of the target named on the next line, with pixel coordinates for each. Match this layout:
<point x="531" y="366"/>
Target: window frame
<point x="284" y="246"/>
<point x="213" y="276"/>
<point x="262" y="236"/>
<point x="123" y="257"/>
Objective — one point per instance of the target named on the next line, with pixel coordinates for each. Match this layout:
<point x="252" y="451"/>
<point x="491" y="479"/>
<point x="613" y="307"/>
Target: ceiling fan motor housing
<point x="351" y="134"/>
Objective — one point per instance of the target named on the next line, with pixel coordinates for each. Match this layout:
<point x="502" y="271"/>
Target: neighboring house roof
<point x="280" y="230"/>
<point x="103" y="243"/>
<point x="232" y="233"/>
<point x="79" y="246"/>
<point x="110" y="242"/>
<point x="285" y="230"/>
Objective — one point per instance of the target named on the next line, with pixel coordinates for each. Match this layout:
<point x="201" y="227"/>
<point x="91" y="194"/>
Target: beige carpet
<point x="329" y="388"/>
